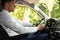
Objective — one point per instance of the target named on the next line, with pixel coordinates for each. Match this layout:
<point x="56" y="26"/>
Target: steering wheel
<point x="52" y="29"/>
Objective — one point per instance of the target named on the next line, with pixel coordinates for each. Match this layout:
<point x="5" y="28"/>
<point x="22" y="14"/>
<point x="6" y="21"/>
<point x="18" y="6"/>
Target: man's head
<point x="8" y="5"/>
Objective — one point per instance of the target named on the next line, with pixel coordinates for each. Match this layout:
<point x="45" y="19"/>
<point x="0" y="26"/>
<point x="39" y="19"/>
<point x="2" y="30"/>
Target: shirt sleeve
<point x="25" y="24"/>
<point x="7" y="20"/>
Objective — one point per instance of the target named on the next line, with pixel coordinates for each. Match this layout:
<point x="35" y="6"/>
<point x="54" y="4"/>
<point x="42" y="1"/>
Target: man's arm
<point x="25" y="24"/>
<point x="11" y="23"/>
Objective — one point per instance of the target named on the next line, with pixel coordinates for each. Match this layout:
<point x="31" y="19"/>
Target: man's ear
<point x="6" y="5"/>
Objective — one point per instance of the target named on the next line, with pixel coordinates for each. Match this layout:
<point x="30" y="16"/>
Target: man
<point x="11" y="25"/>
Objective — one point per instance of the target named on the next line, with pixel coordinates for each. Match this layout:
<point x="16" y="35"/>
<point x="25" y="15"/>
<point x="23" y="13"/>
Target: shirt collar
<point x="6" y="11"/>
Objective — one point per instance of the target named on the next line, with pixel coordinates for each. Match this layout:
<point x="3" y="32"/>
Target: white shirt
<point x="12" y="27"/>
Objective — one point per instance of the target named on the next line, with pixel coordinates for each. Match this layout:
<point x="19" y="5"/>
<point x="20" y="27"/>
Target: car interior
<point x="4" y="35"/>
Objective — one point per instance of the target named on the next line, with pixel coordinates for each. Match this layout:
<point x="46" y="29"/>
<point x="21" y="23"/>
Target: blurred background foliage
<point x="55" y="13"/>
<point x="56" y="10"/>
<point x="43" y="7"/>
<point x="24" y="13"/>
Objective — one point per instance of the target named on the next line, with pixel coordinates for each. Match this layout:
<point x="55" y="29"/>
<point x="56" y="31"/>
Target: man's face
<point x="11" y="6"/>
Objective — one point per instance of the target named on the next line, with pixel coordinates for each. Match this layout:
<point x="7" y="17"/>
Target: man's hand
<point x="41" y="27"/>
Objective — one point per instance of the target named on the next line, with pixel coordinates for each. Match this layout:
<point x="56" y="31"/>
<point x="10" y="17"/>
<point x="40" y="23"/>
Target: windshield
<point x="51" y="8"/>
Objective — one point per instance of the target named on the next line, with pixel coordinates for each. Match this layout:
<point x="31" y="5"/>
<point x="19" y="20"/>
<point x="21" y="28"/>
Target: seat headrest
<point x="0" y="6"/>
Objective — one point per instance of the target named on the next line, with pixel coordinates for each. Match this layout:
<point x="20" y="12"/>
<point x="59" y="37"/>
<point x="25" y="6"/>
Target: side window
<point x="26" y="14"/>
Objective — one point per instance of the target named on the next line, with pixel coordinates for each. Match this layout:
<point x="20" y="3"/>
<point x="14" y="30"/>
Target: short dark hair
<point x="4" y="1"/>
